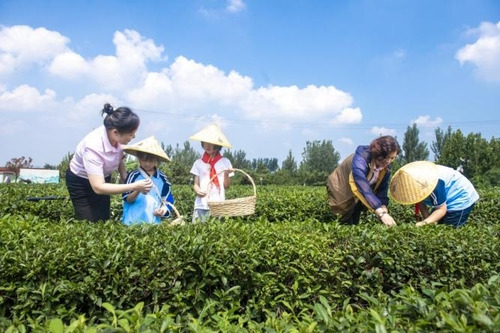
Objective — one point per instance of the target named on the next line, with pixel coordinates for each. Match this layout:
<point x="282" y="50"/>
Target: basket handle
<point x="157" y="192"/>
<point x="234" y="169"/>
<point x="173" y="208"/>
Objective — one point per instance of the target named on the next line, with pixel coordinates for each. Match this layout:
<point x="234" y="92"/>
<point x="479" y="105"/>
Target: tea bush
<point x="289" y="266"/>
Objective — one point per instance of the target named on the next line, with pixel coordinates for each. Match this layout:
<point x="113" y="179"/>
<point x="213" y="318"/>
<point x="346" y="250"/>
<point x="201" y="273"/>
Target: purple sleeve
<point x="360" y="168"/>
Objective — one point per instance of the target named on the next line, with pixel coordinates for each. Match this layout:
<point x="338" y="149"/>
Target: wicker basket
<point x="178" y="219"/>
<point x="234" y="207"/>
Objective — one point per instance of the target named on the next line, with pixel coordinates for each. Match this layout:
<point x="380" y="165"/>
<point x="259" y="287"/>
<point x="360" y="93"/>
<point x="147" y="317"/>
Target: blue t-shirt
<point x="452" y="188"/>
<point x="141" y="210"/>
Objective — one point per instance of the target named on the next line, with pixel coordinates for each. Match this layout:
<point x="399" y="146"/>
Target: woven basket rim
<point x="237" y="206"/>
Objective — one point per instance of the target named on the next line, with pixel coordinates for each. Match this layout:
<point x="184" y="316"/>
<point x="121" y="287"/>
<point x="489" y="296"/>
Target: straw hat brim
<point x="212" y="134"/>
<point x="414" y="182"/>
<point x="150" y="146"/>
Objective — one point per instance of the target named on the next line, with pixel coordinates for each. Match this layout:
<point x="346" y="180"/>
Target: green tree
<point x="272" y="164"/>
<point x="437" y="146"/>
<point x="413" y="148"/>
<point x="289" y="163"/>
<point x="287" y="175"/>
<point x="182" y="159"/>
<point x="319" y="158"/>
<point x="64" y="165"/>
<point x="265" y="164"/>
<point x="453" y="150"/>
<point x="495" y="151"/>
<point x="478" y="156"/>
<point x="49" y="166"/>
<point x="259" y="165"/>
<point x="238" y="159"/>
<point x="474" y="153"/>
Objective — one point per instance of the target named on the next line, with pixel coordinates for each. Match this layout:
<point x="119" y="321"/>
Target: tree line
<point x="476" y="157"/>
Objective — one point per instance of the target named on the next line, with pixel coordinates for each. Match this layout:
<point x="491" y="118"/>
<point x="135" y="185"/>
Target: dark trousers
<point x="353" y="215"/>
<point x="88" y="205"/>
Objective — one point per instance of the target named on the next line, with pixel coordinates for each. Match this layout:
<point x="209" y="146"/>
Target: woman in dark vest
<point x="361" y="182"/>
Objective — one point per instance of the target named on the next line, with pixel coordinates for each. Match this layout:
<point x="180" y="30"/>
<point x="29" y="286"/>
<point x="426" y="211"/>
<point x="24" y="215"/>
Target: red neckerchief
<point x="212" y="160"/>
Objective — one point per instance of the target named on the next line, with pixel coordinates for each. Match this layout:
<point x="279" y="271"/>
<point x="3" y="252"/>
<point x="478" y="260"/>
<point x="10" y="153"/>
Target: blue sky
<point x="272" y="74"/>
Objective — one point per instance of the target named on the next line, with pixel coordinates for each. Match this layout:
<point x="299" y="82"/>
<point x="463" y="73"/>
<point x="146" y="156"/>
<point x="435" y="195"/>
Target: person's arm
<point x="438" y="202"/>
<point x="132" y="196"/>
<point x="433" y="218"/>
<point x="122" y="170"/>
<point x="199" y="192"/>
<point x="227" y="179"/>
<point x="360" y="168"/>
<point x="100" y="186"/>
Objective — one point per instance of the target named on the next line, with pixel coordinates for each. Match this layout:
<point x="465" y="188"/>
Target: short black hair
<point x="147" y="156"/>
<point x="217" y="147"/>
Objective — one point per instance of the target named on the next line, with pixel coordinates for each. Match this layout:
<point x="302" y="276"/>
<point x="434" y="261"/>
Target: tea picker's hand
<point x="424" y="222"/>
<point x="387" y="220"/>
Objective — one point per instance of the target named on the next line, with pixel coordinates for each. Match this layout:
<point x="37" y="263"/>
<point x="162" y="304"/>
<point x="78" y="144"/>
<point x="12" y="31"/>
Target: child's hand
<point x="200" y="193"/>
<point x="160" y="211"/>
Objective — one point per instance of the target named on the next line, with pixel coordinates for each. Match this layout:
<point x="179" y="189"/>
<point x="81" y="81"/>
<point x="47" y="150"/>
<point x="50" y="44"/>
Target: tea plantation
<point x="290" y="267"/>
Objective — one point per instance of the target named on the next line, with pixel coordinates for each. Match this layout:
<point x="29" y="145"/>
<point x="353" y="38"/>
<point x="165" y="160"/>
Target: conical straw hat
<point x="212" y="134"/>
<point x="414" y="182"/>
<point x="149" y="145"/>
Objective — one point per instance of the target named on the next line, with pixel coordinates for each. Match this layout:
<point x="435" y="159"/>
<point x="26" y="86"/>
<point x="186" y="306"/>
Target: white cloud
<point x="290" y="102"/>
<point x="235" y="6"/>
<point x="194" y="80"/>
<point x="198" y="93"/>
<point x="382" y="131"/>
<point x="88" y="108"/>
<point x="349" y="116"/>
<point x="69" y="65"/>
<point x="345" y="140"/>
<point x="186" y="86"/>
<point x="484" y="53"/>
<point x="22" y="46"/>
<point x="26" y="98"/>
<point x="426" y="121"/>
<point x="124" y="70"/>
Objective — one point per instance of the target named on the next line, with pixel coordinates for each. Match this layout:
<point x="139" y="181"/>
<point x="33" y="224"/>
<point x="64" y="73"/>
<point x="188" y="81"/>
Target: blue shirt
<point x="141" y="210"/>
<point x="452" y="188"/>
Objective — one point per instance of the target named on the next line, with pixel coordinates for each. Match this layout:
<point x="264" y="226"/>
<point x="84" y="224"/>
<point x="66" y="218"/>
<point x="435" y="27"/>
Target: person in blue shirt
<point x="153" y="206"/>
<point x="361" y="182"/>
<point x="449" y="194"/>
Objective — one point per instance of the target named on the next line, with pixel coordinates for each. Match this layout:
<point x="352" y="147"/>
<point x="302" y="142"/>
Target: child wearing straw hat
<point x="211" y="172"/>
<point x="450" y="194"/>
<point x="147" y="207"/>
